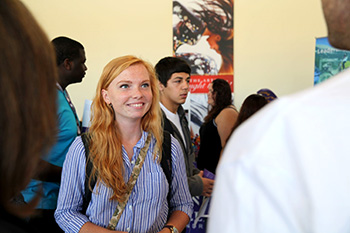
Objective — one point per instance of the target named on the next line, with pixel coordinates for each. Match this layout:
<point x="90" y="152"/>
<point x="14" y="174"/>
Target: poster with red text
<point x="203" y="36"/>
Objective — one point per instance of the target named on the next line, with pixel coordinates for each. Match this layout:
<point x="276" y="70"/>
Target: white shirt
<point x="287" y="169"/>
<point x="175" y="119"/>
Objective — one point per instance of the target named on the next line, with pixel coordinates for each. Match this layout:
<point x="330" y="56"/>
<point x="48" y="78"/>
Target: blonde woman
<point x="126" y="111"/>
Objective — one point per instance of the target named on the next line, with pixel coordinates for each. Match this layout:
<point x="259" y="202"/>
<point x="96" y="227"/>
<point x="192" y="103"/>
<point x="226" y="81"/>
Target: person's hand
<point x="208" y="185"/>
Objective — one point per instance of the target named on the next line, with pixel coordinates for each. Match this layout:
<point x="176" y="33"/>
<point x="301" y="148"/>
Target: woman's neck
<point x="130" y="135"/>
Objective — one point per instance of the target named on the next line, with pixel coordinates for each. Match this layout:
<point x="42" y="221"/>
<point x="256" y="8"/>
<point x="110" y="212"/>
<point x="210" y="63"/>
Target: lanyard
<point x="65" y="93"/>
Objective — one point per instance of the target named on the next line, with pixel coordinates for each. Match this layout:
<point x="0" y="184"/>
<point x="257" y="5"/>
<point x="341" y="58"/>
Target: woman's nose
<point x="137" y="93"/>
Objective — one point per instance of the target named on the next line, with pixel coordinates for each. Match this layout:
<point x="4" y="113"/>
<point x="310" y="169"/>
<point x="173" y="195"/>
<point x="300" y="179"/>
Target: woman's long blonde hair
<point x="106" y="146"/>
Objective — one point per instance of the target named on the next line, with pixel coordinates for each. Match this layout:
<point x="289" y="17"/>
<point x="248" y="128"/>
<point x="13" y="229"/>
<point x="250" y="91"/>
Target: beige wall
<point x="274" y="39"/>
<point x="275" y="45"/>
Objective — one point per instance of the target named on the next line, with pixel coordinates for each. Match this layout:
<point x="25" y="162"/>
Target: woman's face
<point x="213" y="42"/>
<point x="211" y="97"/>
<point x="130" y="94"/>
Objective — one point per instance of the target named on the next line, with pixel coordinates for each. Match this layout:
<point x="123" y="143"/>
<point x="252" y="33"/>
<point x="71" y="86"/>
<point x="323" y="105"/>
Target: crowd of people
<point x="280" y="167"/>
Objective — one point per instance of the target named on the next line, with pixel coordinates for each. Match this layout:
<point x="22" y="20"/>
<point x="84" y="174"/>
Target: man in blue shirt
<point x="70" y="57"/>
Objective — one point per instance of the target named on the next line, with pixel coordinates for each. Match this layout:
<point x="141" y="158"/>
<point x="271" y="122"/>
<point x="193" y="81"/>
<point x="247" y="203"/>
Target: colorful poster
<point x="328" y="60"/>
<point x="203" y="36"/>
<point x="199" y="83"/>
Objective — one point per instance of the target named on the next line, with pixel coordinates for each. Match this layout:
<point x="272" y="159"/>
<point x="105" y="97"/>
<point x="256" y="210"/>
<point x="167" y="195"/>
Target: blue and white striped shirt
<point x="147" y="207"/>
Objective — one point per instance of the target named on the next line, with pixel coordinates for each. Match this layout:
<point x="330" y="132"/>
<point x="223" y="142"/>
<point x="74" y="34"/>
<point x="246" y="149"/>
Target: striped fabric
<point x="147" y="207"/>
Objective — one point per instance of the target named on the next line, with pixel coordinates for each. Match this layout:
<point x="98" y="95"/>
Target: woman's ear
<point x="105" y="96"/>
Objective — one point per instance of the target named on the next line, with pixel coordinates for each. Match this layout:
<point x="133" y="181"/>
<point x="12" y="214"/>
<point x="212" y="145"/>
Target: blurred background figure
<point x="217" y="124"/>
<point x="268" y="94"/>
<point x="250" y="105"/>
<point x="28" y="113"/>
<point x="70" y="61"/>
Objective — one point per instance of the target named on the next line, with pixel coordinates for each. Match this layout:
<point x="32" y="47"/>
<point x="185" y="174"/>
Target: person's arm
<point x="225" y="122"/>
<point x="70" y="198"/>
<point x="199" y="186"/>
<point x="195" y="181"/>
<point x="181" y="204"/>
<point x="177" y="219"/>
<point x="92" y="228"/>
<point x="208" y="185"/>
<point x="195" y="185"/>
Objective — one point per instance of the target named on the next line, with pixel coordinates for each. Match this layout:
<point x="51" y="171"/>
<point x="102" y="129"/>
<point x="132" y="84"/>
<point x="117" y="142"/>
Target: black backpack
<point x="165" y="164"/>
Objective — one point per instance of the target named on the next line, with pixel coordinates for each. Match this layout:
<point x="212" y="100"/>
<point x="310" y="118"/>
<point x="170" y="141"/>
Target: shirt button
<point x="130" y="207"/>
<point x="128" y="229"/>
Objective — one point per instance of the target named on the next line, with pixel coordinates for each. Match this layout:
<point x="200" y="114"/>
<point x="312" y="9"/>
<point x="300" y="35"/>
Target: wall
<point x="107" y="29"/>
<point x="275" y="45"/>
<point x="274" y="39"/>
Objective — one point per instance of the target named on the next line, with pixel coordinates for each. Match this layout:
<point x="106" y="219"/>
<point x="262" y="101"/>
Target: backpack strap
<point x="87" y="194"/>
<point x="166" y="162"/>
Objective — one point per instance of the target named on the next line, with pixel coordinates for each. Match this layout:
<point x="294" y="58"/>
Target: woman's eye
<point x="124" y="86"/>
<point x="145" y="85"/>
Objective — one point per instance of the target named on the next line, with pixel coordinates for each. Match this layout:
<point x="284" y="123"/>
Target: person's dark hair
<point x="27" y="100"/>
<point x="222" y="96"/>
<point x="169" y="65"/>
<point x="218" y="16"/>
<point x="66" y="48"/>
<point x="226" y="48"/>
<point x="251" y="105"/>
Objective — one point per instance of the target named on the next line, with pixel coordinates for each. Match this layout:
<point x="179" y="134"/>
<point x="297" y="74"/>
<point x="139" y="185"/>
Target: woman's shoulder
<point x="78" y="142"/>
<point x="228" y="114"/>
<point x="229" y="111"/>
<point x="77" y="151"/>
<point x="231" y="108"/>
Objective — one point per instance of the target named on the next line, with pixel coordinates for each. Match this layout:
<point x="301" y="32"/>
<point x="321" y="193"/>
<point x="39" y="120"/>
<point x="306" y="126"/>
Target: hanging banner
<point x="199" y="84"/>
<point x="203" y="36"/>
<point x="328" y="60"/>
